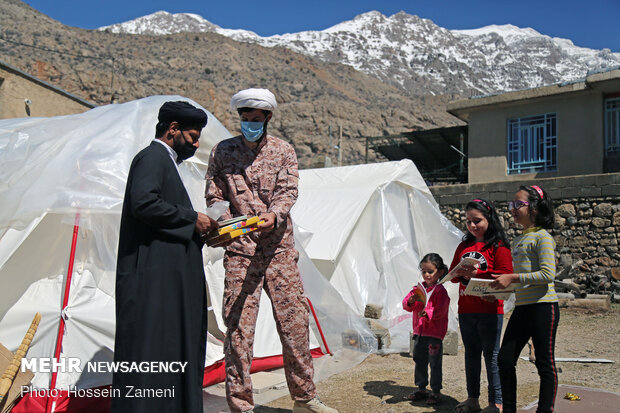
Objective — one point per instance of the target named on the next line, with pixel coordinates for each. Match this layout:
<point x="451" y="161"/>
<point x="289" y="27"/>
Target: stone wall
<point x="587" y="217"/>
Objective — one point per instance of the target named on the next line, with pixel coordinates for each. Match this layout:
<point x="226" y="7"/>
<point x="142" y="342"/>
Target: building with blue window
<point x="565" y="129"/>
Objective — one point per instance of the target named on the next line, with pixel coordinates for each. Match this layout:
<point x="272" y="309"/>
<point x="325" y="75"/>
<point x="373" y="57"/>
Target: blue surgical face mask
<point x="252" y="130"/>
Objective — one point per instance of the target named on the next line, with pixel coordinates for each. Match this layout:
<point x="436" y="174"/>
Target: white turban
<point x="254" y="98"/>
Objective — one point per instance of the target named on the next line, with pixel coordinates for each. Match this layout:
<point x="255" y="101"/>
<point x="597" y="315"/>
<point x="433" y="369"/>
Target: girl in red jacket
<point x="430" y="323"/>
<point x="480" y="320"/>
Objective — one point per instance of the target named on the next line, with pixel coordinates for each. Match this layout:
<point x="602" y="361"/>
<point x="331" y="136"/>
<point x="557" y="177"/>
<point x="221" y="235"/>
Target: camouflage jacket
<point x="254" y="181"/>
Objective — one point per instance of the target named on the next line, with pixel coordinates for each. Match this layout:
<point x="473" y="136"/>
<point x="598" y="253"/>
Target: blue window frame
<point x="532" y="144"/>
<point x="612" y="126"/>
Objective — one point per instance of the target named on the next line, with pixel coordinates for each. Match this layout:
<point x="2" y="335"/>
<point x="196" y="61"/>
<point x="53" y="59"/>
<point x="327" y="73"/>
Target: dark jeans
<point x="427" y="350"/>
<point x="481" y="335"/>
<point x="540" y="322"/>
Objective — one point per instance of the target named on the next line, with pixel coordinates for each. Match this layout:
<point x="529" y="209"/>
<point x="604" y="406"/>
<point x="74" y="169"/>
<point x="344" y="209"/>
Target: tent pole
<point x="50" y="404"/>
<point x="316" y="320"/>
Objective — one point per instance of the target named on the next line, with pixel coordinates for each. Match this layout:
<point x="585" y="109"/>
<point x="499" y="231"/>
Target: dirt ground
<point x="380" y="384"/>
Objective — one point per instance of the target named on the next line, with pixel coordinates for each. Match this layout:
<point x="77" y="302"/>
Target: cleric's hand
<point x="205" y="224"/>
<point x="270" y="221"/>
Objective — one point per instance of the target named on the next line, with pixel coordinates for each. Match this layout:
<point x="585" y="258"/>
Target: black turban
<point x="182" y="112"/>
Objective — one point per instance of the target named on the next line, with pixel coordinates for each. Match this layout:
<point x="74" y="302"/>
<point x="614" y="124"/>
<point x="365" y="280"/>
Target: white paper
<point x="482" y="287"/>
<point x="467" y="261"/>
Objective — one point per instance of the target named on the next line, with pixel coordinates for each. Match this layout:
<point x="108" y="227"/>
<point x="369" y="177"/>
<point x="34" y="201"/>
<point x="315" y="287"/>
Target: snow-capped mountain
<point x="415" y="53"/>
<point x="162" y="23"/>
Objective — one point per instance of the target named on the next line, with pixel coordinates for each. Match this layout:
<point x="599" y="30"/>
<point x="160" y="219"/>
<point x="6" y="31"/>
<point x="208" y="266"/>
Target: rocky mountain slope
<point x="415" y="54"/>
<point x="316" y="97"/>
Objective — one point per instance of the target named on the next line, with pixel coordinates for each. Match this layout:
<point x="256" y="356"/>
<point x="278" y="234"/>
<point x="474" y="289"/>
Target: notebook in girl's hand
<point x="420" y="294"/>
<point x="467" y="261"/>
<point x="482" y="287"/>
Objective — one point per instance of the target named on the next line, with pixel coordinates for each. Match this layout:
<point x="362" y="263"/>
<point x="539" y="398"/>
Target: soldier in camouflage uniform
<point x="257" y="174"/>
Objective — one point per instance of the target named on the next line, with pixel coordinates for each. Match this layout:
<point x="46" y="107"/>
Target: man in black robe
<point x="160" y="284"/>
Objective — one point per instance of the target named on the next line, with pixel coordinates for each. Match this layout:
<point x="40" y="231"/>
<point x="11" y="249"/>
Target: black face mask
<point x="184" y="150"/>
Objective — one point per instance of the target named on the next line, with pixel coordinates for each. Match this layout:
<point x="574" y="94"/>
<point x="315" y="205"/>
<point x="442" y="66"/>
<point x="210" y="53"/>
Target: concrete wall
<point x="587" y="214"/>
<point x="46" y="100"/>
<point x="579" y="131"/>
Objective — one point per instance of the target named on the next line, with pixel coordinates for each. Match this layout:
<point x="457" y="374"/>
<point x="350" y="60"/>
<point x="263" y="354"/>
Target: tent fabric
<point x="333" y="314"/>
<point x="54" y="168"/>
<point x="371" y="225"/>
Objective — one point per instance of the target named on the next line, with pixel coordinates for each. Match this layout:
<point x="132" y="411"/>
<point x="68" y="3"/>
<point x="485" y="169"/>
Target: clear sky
<point x="588" y="23"/>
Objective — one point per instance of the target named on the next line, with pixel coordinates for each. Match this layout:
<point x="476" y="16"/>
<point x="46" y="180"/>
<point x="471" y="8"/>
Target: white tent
<point x="62" y="184"/>
<point x="372" y="224"/>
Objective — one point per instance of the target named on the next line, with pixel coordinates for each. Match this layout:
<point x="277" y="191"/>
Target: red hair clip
<point x="537" y="189"/>
<point x="480" y="201"/>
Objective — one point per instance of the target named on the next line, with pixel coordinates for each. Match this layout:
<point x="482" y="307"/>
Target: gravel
<point x="381" y="383"/>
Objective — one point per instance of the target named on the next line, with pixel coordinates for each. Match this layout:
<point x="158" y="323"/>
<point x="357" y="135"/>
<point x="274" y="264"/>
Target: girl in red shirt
<point x="481" y="319"/>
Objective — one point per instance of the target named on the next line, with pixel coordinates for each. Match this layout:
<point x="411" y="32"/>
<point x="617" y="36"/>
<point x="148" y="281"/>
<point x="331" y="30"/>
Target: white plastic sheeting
<point x="54" y="170"/>
<point x="334" y="315"/>
<point x="371" y="225"/>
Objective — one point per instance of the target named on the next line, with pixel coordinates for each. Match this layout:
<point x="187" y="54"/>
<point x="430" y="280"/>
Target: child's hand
<point x="503" y="280"/>
<point x="414" y="297"/>
<point x="466" y="271"/>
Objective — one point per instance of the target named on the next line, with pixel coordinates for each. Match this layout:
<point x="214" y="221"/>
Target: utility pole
<point x="462" y="149"/>
<point x="340" y="146"/>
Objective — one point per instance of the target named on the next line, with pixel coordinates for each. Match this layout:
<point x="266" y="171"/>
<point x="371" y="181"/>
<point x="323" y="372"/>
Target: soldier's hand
<point x="270" y="221"/>
<point x="204" y="224"/>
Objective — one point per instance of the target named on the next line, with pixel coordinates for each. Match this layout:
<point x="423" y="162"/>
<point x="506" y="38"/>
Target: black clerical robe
<point x="160" y="291"/>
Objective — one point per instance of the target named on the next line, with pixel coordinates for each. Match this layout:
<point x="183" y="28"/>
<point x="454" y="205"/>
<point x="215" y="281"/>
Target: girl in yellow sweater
<point x="536" y="313"/>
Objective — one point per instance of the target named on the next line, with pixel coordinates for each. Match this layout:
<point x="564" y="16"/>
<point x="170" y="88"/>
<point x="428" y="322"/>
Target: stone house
<point x="565" y="129"/>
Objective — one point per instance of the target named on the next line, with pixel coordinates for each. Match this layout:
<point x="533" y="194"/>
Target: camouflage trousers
<point x="246" y="276"/>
